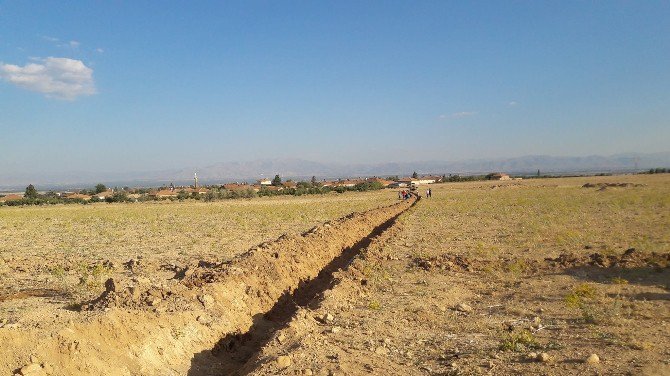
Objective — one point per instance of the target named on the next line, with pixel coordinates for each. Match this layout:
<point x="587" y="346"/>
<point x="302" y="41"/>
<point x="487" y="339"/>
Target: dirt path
<point x="228" y="309"/>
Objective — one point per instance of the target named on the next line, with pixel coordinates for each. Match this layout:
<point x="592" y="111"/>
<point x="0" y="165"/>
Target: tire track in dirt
<point x="216" y="307"/>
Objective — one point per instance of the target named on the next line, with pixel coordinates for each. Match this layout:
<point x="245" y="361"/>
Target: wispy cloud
<point x="50" y="39"/>
<point x="73" y="44"/>
<point x="512" y="103"/>
<point x="55" y="77"/>
<point x="458" y="115"/>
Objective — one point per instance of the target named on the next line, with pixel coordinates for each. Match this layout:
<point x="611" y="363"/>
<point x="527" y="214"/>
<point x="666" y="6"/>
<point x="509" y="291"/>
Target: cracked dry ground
<point x="483" y="278"/>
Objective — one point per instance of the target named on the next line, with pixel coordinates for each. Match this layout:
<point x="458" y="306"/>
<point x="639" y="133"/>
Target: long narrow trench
<point x="232" y="352"/>
<point x="260" y="290"/>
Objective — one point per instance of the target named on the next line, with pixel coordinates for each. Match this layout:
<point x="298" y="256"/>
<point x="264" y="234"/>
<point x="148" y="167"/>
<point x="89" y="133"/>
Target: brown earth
<point x="130" y="330"/>
<point x="482" y="279"/>
<point x="410" y="306"/>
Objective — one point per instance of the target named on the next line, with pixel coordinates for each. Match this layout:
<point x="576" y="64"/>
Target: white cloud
<point x="56" y="77"/>
<point x="458" y="115"/>
<point x="99" y="50"/>
<point x="50" y="39"/>
<point x="512" y="103"/>
<point x="73" y="44"/>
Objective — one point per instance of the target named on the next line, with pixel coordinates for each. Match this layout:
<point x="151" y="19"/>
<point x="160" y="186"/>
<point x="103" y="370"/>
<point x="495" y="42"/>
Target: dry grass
<point x="541" y="218"/>
<point x="67" y="246"/>
<point x="503" y="230"/>
<point x="521" y="303"/>
<point x="217" y="229"/>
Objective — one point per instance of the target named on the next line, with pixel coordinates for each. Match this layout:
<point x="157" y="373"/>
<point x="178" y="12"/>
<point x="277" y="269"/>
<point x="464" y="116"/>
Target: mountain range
<point x="304" y="169"/>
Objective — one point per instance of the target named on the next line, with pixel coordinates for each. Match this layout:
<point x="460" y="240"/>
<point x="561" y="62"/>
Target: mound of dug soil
<point x="603" y="186"/>
<point x="443" y="262"/>
<point x="631" y="258"/>
<point x="134" y="328"/>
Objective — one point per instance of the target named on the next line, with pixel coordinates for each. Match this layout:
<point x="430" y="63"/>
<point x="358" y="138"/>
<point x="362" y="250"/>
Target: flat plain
<point x="544" y="276"/>
<point x="502" y="278"/>
<point x="62" y="254"/>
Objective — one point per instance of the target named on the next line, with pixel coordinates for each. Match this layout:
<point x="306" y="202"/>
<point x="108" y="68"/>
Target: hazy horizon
<point x="113" y="87"/>
<point x="231" y="171"/>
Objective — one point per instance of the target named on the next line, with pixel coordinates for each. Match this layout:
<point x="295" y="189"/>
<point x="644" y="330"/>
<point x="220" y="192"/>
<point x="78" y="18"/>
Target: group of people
<point x="405" y="194"/>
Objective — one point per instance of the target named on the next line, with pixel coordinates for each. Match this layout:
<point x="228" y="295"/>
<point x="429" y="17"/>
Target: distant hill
<point x="298" y="168"/>
<point x="520" y="165"/>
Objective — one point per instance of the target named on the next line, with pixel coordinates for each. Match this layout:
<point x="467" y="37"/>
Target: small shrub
<point x="58" y="272"/>
<point x="374" y="305"/>
<point x="582" y="297"/>
<point x="518" y="341"/>
<point x="579" y="295"/>
<point x="92" y="276"/>
<point x="516" y="268"/>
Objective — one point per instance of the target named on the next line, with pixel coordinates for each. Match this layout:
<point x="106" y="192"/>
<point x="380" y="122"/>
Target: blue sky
<point x="137" y="85"/>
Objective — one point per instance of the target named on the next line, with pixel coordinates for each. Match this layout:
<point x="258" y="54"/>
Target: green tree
<point x="31" y="192"/>
<point x="314" y="181"/>
<point x="415" y="175"/>
<point x="118" y="196"/>
<point x="100" y="188"/>
<point x="276" y="181"/>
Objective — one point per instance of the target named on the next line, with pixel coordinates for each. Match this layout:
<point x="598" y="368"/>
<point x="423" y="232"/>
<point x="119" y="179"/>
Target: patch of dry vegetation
<point x="467" y="289"/>
<point x="68" y="251"/>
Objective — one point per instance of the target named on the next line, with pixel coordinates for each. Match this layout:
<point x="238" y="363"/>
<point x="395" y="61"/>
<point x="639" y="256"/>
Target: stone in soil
<point x="542" y="357"/>
<point x="33" y="369"/>
<point x="283" y="361"/>
<point x="463" y="307"/>
<point x="593" y="359"/>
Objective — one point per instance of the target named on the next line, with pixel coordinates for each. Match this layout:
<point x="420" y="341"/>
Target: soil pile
<point x="136" y="328"/>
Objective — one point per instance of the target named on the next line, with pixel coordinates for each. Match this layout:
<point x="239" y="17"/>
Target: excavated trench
<point x="214" y="321"/>
<point x="232" y="352"/>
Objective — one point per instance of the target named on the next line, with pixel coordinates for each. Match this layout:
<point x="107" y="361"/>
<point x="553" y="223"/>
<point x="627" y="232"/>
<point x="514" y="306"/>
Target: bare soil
<point x="547" y="277"/>
<point x="133" y="328"/>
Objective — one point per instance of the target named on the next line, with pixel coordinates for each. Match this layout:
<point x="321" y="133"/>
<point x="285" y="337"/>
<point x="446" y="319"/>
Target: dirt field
<point x="61" y="255"/>
<point x="501" y="278"/>
<point x="462" y="286"/>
